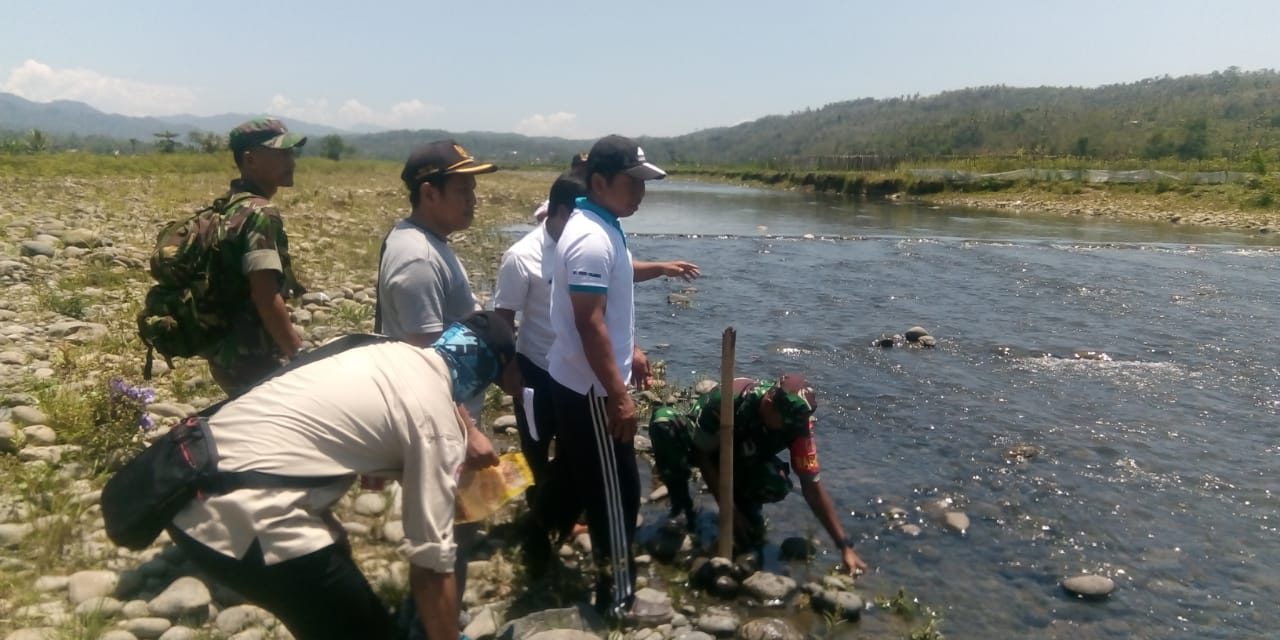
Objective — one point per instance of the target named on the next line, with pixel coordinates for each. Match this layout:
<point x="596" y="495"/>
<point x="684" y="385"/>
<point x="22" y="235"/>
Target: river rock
<point x="563" y="634"/>
<point x="838" y="581"/>
<point x="179" y="632"/>
<point x="725" y="587"/>
<point x="117" y="634"/>
<point x="13" y="357"/>
<point x="105" y="606"/>
<point x="651" y="608"/>
<point x="1089" y="586"/>
<point x="844" y="603"/>
<point x="82" y="238"/>
<point x="503" y="422"/>
<point x="769" y="629"/>
<point x="315" y="297"/>
<point x="927" y="341"/>
<point x="135" y="609"/>
<point x="956" y="521"/>
<point x="911" y="529"/>
<point x="915" y="333"/>
<point x="393" y="531"/>
<point x="579" y="618"/>
<point x="238" y="618"/>
<point x="34" y="633"/>
<point x="77" y="332"/>
<point x="769" y="588"/>
<point x="483" y="625"/>
<point x="10" y="266"/>
<point x="185" y="598"/>
<point x="689" y="633"/>
<point x="9" y="439"/>
<point x="666" y="543"/>
<point x="28" y="415"/>
<point x="36" y="248"/>
<point x="796" y="548"/>
<point x="717" y="621"/>
<point x="39" y="435"/>
<point x="50" y="454"/>
<point x="51" y="583"/>
<point x="146" y="627"/>
<point x="370" y="504"/>
<point x="91" y="584"/>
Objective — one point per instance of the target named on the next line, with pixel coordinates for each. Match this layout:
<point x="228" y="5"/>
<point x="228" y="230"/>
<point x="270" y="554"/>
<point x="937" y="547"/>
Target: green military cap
<point x="264" y="132"/>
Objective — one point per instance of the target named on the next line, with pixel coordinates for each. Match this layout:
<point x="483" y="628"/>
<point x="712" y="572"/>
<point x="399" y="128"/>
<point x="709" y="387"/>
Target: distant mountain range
<point x="1229" y="114"/>
<point x="68" y="117"/>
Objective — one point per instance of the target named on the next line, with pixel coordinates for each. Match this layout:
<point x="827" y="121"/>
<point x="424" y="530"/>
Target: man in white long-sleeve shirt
<point x="387" y="409"/>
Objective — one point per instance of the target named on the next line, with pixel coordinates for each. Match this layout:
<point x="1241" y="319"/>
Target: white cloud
<point x="40" y="82"/>
<point x="560" y="123"/>
<point x="411" y="114"/>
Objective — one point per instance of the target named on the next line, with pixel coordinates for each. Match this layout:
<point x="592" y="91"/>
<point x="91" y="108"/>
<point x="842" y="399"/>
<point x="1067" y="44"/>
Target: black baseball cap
<point x="441" y="158"/>
<point x="619" y="154"/>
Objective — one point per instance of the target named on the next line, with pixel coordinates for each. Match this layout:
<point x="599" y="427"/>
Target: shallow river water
<point x="1157" y="467"/>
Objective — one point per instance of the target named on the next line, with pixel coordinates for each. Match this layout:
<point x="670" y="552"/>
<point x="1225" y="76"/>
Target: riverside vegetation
<point x="75" y="234"/>
<point x="1252" y="204"/>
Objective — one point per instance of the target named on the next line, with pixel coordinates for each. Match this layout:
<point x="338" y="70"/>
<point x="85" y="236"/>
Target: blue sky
<point x="584" y="69"/>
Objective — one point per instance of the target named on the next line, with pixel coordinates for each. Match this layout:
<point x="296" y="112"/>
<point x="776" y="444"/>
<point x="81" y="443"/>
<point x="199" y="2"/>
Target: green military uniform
<point x="255" y="241"/>
<point x="679" y="439"/>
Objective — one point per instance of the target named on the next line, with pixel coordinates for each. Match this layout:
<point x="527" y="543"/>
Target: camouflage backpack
<point x="181" y="316"/>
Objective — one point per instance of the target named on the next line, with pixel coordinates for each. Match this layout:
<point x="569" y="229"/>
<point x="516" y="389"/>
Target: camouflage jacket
<point x="255" y="240"/>
<point x="752" y="438"/>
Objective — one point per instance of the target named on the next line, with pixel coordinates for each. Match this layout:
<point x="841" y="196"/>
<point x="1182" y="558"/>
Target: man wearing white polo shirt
<point x="593" y="357"/>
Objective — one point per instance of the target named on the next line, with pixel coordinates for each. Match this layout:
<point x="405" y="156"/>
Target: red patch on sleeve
<point x="804" y="454"/>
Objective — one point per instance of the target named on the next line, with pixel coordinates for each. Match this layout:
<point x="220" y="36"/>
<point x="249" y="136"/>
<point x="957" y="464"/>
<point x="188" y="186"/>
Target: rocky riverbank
<point x="1119" y="204"/>
<point x="1244" y="207"/>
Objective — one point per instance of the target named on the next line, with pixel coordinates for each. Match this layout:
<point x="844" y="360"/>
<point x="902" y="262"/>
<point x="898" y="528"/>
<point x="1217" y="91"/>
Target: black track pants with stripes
<point x="602" y="471"/>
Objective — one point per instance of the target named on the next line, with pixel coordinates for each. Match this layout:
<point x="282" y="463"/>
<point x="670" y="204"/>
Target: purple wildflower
<point x="135" y="399"/>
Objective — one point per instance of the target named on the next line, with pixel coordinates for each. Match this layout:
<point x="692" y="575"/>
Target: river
<point x="1156" y="468"/>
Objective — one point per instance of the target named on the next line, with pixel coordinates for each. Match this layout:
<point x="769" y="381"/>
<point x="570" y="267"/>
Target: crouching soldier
<point x="769" y="417"/>
<point x="386" y="409"/>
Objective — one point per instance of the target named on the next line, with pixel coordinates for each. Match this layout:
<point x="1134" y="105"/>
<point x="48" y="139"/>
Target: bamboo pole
<point x="728" y="346"/>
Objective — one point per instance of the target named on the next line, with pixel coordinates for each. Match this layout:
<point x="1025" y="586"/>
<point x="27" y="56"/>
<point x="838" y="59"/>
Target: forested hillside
<point x="1226" y="114"/>
<point x="1229" y="115"/>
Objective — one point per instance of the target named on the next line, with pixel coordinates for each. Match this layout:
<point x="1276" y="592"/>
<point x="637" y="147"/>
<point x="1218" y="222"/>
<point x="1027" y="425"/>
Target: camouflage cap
<point x="264" y="132"/>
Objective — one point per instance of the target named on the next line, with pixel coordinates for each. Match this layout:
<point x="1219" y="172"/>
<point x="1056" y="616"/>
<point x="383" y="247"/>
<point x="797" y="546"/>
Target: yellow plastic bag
<point x="482" y="492"/>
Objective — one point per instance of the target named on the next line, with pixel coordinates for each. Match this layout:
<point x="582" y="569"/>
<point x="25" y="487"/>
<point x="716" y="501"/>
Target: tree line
<point x="34" y="141"/>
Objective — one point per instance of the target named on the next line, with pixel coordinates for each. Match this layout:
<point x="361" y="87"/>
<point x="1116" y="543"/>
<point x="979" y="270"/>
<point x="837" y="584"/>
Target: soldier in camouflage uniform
<point x="768" y="418"/>
<point x="255" y="274"/>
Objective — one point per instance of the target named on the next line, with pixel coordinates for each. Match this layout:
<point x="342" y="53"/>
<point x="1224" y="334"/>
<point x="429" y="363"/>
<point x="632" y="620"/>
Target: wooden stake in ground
<point x="728" y="346"/>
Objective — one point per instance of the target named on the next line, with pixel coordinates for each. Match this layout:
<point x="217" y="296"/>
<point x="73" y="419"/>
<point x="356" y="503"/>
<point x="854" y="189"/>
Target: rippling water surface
<point x="1157" y="467"/>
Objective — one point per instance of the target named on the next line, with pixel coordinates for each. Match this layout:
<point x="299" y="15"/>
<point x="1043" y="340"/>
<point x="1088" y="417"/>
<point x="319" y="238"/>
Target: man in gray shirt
<point x="422" y="287"/>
